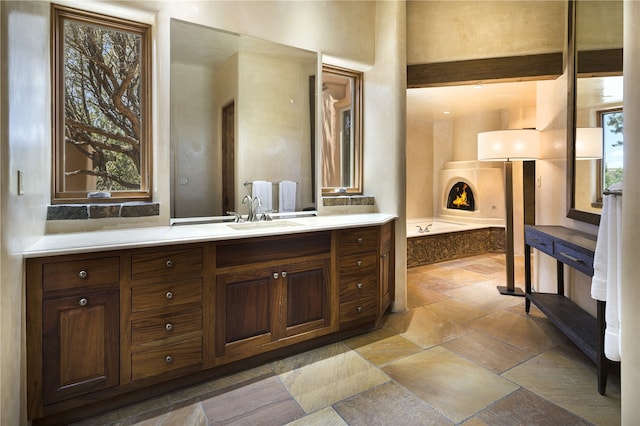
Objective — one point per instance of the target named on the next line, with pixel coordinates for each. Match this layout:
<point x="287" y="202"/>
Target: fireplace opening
<point x="461" y="197"/>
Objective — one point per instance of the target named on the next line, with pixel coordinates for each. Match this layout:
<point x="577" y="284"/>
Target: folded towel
<point x="287" y="196"/>
<point x="263" y="190"/>
<point x="607" y="271"/>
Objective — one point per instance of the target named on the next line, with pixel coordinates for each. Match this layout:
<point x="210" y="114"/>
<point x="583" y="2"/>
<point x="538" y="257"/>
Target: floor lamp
<point x="509" y="145"/>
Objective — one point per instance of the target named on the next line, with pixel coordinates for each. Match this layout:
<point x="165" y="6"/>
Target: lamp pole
<point x="510" y="289"/>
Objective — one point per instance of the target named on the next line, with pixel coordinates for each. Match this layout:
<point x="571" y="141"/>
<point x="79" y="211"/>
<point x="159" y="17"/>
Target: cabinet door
<point x="386" y="270"/>
<point x="80" y="345"/>
<point x="307" y="293"/>
<point x="244" y="314"/>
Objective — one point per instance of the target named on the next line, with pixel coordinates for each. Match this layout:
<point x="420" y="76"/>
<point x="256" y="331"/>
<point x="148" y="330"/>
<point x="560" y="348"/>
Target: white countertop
<point x="83" y="242"/>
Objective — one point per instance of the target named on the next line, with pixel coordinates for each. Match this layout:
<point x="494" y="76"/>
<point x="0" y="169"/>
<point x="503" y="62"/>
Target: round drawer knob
<point x="168" y="359"/>
<point x="169" y="295"/>
<point x="359" y="263"/>
<point x="359" y="240"/>
<point x="359" y="285"/>
<point x="168" y="326"/>
<point x="83" y="274"/>
<point x="83" y="302"/>
<point x="169" y="263"/>
<point x="275" y="275"/>
<point x="359" y="309"/>
<point x="284" y="274"/>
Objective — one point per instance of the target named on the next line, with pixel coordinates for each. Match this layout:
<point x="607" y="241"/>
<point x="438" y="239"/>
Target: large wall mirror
<point x="240" y="113"/>
<point x="595" y="105"/>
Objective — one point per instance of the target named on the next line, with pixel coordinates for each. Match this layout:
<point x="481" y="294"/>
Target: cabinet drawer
<point x="361" y="287"/>
<point x="173" y="325"/>
<point x="580" y="261"/>
<point x="358" y="263"/>
<point x="165" y="294"/>
<point x="80" y="273"/>
<point x="539" y="241"/>
<point x="183" y="263"/>
<point x="358" y="240"/>
<point x="167" y="358"/>
<point x="358" y="311"/>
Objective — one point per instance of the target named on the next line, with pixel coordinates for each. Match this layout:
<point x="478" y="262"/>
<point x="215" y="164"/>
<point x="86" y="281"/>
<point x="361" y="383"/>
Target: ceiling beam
<point x="593" y="63"/>
<point x="546" y="66"/>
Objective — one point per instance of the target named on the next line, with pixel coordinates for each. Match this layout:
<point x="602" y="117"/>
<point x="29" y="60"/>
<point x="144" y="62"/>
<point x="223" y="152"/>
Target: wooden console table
<point x="575" y="249"/>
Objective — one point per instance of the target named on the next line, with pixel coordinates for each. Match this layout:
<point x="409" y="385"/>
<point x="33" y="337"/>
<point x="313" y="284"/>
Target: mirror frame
<point x="607" y="62"/>
<point x="572" y="73"/>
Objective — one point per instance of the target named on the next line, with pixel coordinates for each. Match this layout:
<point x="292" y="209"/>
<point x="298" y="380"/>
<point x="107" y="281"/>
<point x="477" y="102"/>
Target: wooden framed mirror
<point x="594" y="102"/>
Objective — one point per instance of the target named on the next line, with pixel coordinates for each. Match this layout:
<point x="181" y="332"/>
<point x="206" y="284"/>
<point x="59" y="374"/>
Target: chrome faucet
<point x="427" y="228"/>
<point x="252" y="216"/>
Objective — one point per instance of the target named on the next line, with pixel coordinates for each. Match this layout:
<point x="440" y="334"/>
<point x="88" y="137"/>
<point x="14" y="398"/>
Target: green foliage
<point x="612" y="176"/>
<point x="615" y="121"/>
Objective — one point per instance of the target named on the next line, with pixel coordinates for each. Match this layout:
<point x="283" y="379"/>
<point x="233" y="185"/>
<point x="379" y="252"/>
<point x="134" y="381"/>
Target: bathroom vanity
<point x="118" y="316"/>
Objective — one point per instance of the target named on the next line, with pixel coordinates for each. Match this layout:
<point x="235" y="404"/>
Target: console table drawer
<point x="539" y="241"/>
<point x="580" y="261"/>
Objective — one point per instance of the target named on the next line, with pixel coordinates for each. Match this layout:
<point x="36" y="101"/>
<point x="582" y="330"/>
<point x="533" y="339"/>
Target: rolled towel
<point x="262" y="189"/>
<point x="287" y="196"/>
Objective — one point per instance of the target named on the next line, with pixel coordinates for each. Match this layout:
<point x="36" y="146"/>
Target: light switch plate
<point x="20" y="182"/>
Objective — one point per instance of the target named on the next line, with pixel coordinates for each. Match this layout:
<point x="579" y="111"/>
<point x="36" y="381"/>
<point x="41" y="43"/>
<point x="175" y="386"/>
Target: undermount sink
<point x="247" y="226"/>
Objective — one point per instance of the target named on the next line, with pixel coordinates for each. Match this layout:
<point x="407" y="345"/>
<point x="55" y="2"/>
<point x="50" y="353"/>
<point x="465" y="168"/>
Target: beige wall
<point x="420" y="170"/>
<point x="273" y="132"/>
<point x="24" y="125"/>
<point x="442" y="31"/>
<point x="631" y="220"/>
<point x="196" y="148"/>
<point x="384" y="130"/>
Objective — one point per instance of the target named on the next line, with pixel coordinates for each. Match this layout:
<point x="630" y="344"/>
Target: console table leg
<point x="602" y="364"/>
<point x="527" y="276"/>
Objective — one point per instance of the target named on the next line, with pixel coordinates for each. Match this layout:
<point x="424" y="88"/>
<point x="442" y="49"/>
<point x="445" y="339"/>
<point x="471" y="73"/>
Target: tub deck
<point x="450" y="240"/>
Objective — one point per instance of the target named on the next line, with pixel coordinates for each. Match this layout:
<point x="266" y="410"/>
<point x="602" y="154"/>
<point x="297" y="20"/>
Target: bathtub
<point x="438" y="226"/>
<point x="447" y="240"/>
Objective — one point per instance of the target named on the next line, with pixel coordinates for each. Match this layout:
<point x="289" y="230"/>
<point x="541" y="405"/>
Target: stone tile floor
<point x="462" y="354"/>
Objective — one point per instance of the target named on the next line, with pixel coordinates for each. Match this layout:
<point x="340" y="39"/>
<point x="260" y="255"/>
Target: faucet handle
<point x="237" y="218"/>
<point x="266" y="216"/>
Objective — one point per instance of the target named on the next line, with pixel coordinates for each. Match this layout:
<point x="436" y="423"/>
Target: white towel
<point x="287" y="196"/>
<point x="263" y="190"/>
<point x="607" y="271"/>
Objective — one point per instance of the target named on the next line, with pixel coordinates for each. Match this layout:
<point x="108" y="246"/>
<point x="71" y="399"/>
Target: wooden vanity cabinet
<point x="283" y="297"/>
<point x="73" y="327"/>
<point x="365" y="273"/>
<point x="386" y="267"/>
<point x="112" y="327"/>
<point x="164" y="327"/>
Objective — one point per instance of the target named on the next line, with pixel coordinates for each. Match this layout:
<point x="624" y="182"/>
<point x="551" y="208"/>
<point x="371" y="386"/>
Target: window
<point x="611" y="121"/>
<point x="101" y="107"/>
<point x="341" y="131"/>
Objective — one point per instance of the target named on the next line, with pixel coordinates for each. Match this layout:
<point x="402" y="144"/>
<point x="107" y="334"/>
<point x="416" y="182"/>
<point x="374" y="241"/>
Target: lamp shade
<point x="506" y="145"/>
<point x="588" y="143"/>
